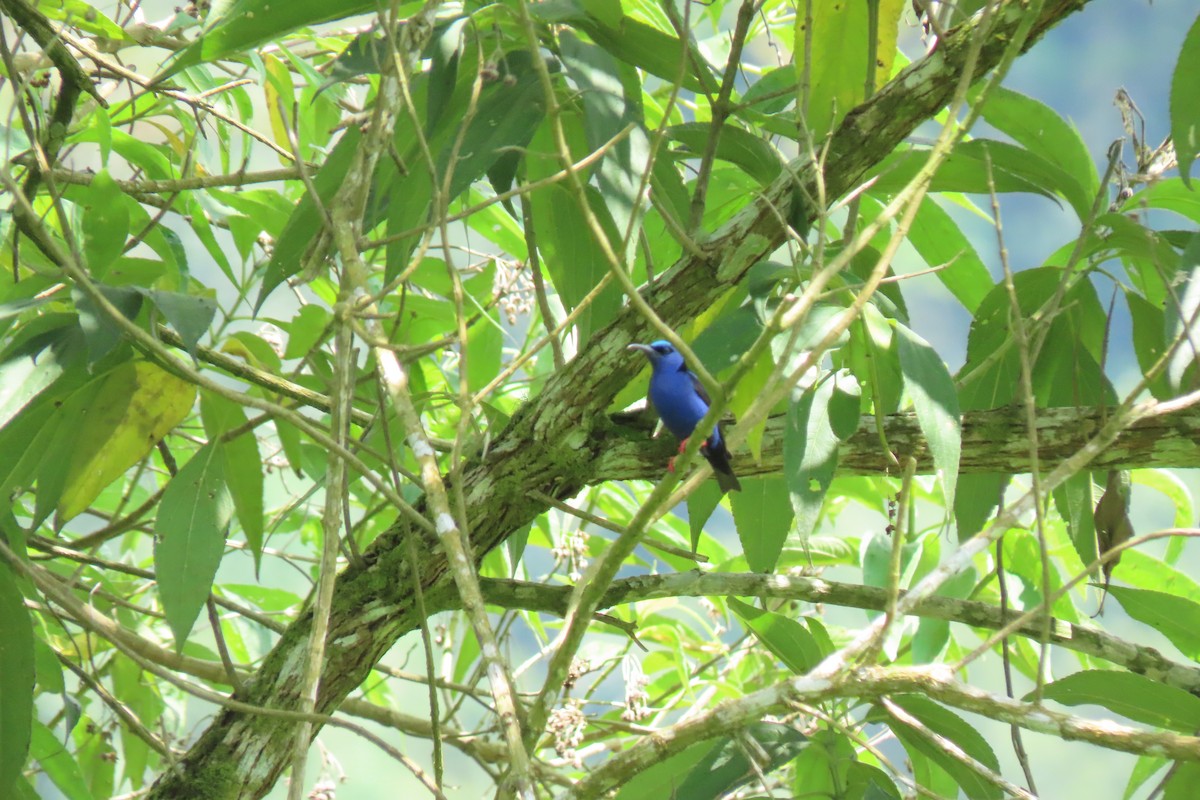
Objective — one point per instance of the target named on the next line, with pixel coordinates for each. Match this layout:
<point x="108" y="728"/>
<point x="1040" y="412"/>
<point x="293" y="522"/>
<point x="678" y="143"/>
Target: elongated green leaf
<point x="192" y="518"/>
<point x="1185" y="102"/>
<point x="754" y="155"/>
<point x="1149" y="341"/>
<point x="1175" y="617"/>
<point x="1076" y="500"/>
<point x="727" y="766"/>
<point x="763" y="516"/>
<point x="975" y="498"/>
<point x="17" y="667"/>
<point x="485" y="341"/>
<point x="58" y="763"/>
<point x="928" y="383"/>
<point x="101" y="331"/>
<point x="663" y="778"/>
<point x="787" y="638"/>
<point x="611" y="96"/>
<point x="700" y="504"/>
<point x="950" y="726"/>
<point x="1182" y="315"/>
<point x="30" y="369"/>
<point x="242" y="24"/>
<point x="242" y="464"/>
<point x="630" y="40"/>
<point x="721" y="344"/>
<point x="940" y="242"/>
<point x="105" y="223"/>
<point x="1131" y="695"/>
<point x="810" y="454"/>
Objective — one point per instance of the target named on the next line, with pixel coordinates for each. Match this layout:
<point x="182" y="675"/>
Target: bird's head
<point x="660" y="352"/>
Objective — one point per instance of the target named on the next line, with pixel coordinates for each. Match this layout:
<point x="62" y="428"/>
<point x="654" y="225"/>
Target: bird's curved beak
<point x="643" y="348"/>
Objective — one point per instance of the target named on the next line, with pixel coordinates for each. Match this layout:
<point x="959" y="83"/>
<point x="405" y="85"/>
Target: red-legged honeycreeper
<point x="681" y="402"/>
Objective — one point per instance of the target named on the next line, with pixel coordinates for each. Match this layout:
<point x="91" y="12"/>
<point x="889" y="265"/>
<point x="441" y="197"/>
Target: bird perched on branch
<point x="681" y="402"/>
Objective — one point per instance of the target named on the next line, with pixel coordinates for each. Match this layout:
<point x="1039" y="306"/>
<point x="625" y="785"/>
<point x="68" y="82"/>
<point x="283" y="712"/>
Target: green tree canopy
<point x="317" y="416"/>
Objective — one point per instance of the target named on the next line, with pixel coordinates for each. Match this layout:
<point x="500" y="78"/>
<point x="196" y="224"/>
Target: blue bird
<point x="681" y="402"/>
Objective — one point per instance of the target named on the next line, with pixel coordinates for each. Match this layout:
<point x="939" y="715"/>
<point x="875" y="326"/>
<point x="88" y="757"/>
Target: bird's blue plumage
<point x="681" y="402"/>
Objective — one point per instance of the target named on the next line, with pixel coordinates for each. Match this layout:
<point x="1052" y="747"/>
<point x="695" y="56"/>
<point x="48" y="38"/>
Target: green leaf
<point x="1175" y="617"/>
<point x="305" y="330"/>
<point x="192" y="518"/>
<point x="700" y="505"/>
<point x="630" y="41"/>
<point x="929" y="385"/>
<point x="1131" y="695"/>
<point x="789" y="640"/>
<point x="1075" y="500"/>
<point x="1149" y="342"/>
<point x="953" y="728"/>
<point x="17" y="667"/>
<point x="1040" y="129"/>
<point x="1183" y="782"/>
<point x="1148" y="572"/>
<point x="1185" y="102"/>
<point x="939" y="241"/>
<point x="485" y="342"/>
<point x="189" y="314"/>
<point x="823" y="769"/>
<point x="735" y="145"/>
<point x="240" y="25"/>
<point x="663" y="778"/>
<point x="35" y="366"/>
<point x="572" y="255"/>
<point x="727" y="766"/>
<point x="1169" y="484"/>
<point x="242" y="463"/>
<point x="722" y="343"/>
<point x="1181" y="317"/>
<point x="762" y="515"/>
<point x="58" y="763"/>
<point x="105" y="224"/>
<point x="845" y="406"/>
<point x="810" y="454"/>
<point x="975" y="498"/>
<point x="1142" y="771"/>
<point x="611" y="95"/>
<point x="101" y="331"/>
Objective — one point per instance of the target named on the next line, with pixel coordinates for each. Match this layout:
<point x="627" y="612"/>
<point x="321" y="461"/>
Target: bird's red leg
<point x="671" y="463"/>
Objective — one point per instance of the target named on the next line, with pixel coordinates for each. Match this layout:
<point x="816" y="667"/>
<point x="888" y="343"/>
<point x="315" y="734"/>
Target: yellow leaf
<point x="137" y="405"/>
<point x="838" y="58"/>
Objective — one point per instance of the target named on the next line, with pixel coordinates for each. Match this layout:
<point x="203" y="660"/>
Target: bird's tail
<point x="718" y="457"/>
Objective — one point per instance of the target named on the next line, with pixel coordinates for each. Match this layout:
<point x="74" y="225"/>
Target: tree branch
<point x="556" y="443"/>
